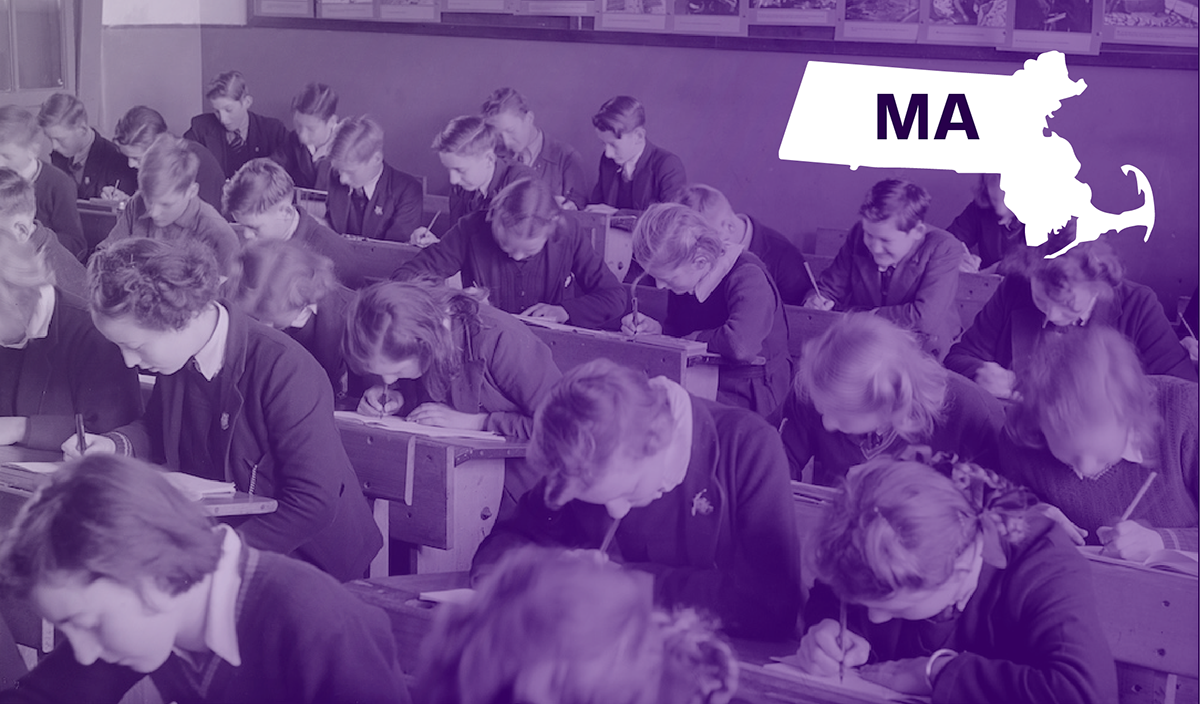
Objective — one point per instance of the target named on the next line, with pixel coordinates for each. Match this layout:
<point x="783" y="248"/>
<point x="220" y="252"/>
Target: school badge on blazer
<point x="379" y="210"/>
<point x="700" y="504"/>
<point x="224" y="421"/>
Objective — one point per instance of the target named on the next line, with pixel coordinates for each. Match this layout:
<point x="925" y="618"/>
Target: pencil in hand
<point x="842" y="643"/>
<point x="80" y="441"/>
<point x="1137" y="498"/>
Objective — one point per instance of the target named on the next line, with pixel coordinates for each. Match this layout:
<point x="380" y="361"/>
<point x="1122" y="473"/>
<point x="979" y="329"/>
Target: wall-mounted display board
<point x="1030" y="26"/>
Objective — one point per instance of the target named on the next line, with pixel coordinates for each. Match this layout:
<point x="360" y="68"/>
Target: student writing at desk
<point x="94" y="162"/>
<point x="555" y="626"/>
<point x="136" y="131"/>
<point x="1090" y="427"/>
<point x="53" y="361"/>
<point x="479" y="367"/>
<point x="721" y="296"/>
<point x="141" y="583"/>
<point x="896" y="265"/>
<point x="234" y="400"/>
<point x="18" y="210"/>
<point x="634" y="172"/>
<point x="367" y="197"/>
<point x="691" y="491"/>
<point x="231" y="131"/>
<point x="532" y="259"/>
<point x="865" y="388"/>
<point x="956" y="591"/>
<point x="305" y="152"/>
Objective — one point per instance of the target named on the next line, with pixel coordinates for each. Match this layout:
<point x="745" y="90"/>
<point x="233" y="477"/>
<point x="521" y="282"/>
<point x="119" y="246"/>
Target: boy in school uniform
<point x="137" y="130"/>
<point x="783" y="260"/>
<point x="234" y="401"/>
<point x="18" y="208"/>
<point x="167" y="205"/>
<point x="691" y="491"/>
<point x="634" y="173"/>
<point x="142" y="583"/>
<point x="259" y="198"/>
<point x="557" y="163"/>
<point x="54" y="191"/>
<point x="367" y="197"/>
<point x="95" y="163"/>
<point x="896" y="265"/>
<point x="231" y="132"/>
<point x="305" y="153"/>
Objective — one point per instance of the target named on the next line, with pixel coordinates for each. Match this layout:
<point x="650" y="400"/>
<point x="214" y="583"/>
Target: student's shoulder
<point x="400" y="180"/>
<point x="1177" y="398"/>
<point x="749" y="270"/>
<point x="514" y="172"/>
<point x="940" y="243"/>
<point x="1044" y="552"/>
<point x="734" y="424"/>
<point x="558" y="151"/>
<point x="206" y="123"/>
<point x="54" y="179"/>
<point x="294" y="595"/>
<point x="1134" y="295"/>
<point x="271" y="124"/>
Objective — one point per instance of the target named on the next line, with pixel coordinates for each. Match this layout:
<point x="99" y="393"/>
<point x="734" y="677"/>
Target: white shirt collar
<point x="369" y="186"/>
<point x="220" y="623"/>
<point x="535" y="148"/>
<point x="39" y="322"/>
<point x="678" y="454"/>
<point x="30" y="173"/>
<point x="211" y="356"/>
<point x="628" y="167"/>
<point x="295" y="224"/>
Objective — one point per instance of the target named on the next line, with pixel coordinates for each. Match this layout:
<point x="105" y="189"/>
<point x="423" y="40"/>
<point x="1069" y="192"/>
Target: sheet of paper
<point x="38" y="467"/>
<point x="404" y="426"/>
<point x="854" y="683"/>
<point x="197" y="488"/>
<point x="449" y="596"/>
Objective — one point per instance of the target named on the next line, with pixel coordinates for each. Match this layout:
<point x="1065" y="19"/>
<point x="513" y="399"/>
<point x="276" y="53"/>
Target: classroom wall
<point x="159" y="66"/>
<point x="724" y="113"/>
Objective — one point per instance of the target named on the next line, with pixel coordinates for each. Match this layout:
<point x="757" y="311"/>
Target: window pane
<point x="39" y="43"/>
<point x="6" y="54"/>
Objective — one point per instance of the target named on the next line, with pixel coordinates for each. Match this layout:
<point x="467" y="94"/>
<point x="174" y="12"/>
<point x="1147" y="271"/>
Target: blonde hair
<point x="870" y="365"/>
<point x="469" y="135"/>
<point x="357" y="139"/>
<point x="669" y="235"/>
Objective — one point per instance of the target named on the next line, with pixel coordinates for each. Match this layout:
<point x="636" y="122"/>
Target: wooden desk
<point x="685" y="362"/>
<point x="439" y="494"/>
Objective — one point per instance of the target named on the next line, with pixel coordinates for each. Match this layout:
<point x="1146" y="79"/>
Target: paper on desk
<point x="854" y="683"/>
<point x="449" y="596"/>
<point x="37" y="467"/>
<point x="197" y="488"/>
<point x="1178" y="561"/>
<point x="404" y="426"/>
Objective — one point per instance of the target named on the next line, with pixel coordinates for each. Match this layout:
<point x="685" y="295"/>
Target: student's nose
<point x="610" y="152"/>
<point x="390" y="379"/>
<point x="86" y="648"/>
<point x="344" y="178"/>
<point x="878" y="616"/>
<point x="131" y="358"/>
<point x="829" y="423"/>
<point x="455" y="179"/>
<point x="134" y="164"/>
<point x="660" y="284"/>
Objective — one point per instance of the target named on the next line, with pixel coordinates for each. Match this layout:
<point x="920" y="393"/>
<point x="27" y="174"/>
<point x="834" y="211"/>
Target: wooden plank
<point x="410" y="618"/>
<point x="375" y="260"/>
<point x="806" y="324"/>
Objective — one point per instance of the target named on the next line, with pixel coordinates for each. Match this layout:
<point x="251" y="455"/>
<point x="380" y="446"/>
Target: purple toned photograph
<point x="714" y="8"/>
<point x="636" y="7"/>
<point x="968" y="13"/>
<point x="794" y="4"/>
<point x="891" y="11"/>
<point x="1167" y="14"/>
<point x="1054" y="15"/>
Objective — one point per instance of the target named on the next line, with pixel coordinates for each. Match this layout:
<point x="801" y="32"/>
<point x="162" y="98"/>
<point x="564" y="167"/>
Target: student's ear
<point x="658" y="435"/>
<point x="528" y="118"/>
<point x="247" y="101"/>
<point x="192" y="191"/>
<point x="376" y="159"/>
<point x="919" y="230"/>
<point x="153" y="597"/>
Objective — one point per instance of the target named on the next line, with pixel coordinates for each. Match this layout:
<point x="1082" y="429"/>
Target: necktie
<point x="885" y="282"/>
<point x="234" y="139"/>
<point x="358" y="209"/>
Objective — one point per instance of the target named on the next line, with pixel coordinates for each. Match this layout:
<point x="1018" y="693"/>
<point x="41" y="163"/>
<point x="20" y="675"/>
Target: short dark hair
<point x="169" y="166"/>
<point x="231" y="84"/>
<point x="504" y="100"/>
<point x="318" y="100"/>
<point x="162" y="285"/>
<point x="258" y="186"/>
<point x="620" y="115"/>
<point x="112" y="517"/>
<point x="357" y="139"/>
<point x="62" y="109"/>
<point x="903" y="199"/>
<point x="275" y="278"/>
<point x="470" y="135"/>
<point x="17" y="196"/>
<point x="139" y="127"/>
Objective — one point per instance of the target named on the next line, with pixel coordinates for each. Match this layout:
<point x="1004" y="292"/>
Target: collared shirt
<point x="530" y="153"/>
<point x="211" y="356"/>
<point x="39" y="322"/>
<point x="220" y="622"/>
<point x="79" y="160"/>
<point x="369" y="186"/>
<point x="677" y="456"/>
<point x="293" y="225"/>
<point x="628" y="167"/>
<point x="31" y="171"/>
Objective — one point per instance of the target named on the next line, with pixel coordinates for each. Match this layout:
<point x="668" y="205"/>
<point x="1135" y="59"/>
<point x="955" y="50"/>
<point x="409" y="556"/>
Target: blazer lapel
<point x="703" y="498"/>
<point x="380" y="204"/>
<point x="642" y="178"/>
<point x="39" y="366"/>
<point x="868" y="274"/>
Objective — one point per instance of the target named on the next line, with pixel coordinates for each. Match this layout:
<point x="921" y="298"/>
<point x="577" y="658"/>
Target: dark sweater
<point x="199" y="222"/>
<point x="264" y="138"/>
<point x="656" y="177"/>
<point x="742" y="319"/>
<point x="54" y="193"/>
<point x="302" y="637"/>
<point x="1006" y="330"/>
<point x="74" y="369"/>
<point x="392" y="213"/>
<point x="922" y="290"/>
<point x="970" y="427"/>
<point x="724" y="540"/>
<point x="783" y="261"/>
<point x="69" y="275"/>
<point x="104" y="165"/>
<point x="464" y="202"/>
<point x="567" y="272"/>
<point x="317" y="237"/>
<point x="561" y="167"/>
<point x="1169" y="506"/>
<point x="277" y="438"/>
<point x="1028" y="635"/>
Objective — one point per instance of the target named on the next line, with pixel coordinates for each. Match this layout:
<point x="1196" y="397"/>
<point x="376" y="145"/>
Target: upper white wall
<point x="166" y="12"/>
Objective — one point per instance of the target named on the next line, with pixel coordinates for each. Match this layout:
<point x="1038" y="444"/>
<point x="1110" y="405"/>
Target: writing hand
<point x="1190" y="344"/>
<point x="1129" y="540"/>
<point x="93" y="445"/>
<point x="380" y="401"/>
<point x="645" y="325"/>
<point x="820" y="654"/>
<point x="555" y="314"/>
<point x="818" y="302"/>
<point x="601" y="208"/>
<point x="423" y="237"/>
<point x="443" y="416"/>
<point x="996" y="380"/>
<point x="114" y="194"/>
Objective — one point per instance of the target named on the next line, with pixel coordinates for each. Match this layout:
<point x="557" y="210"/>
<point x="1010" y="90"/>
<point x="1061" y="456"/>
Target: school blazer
<point x="74" y="369"/>
<point x="656" y="178"/>
<point x="392" y="213"/>
<point x="922" y="291"/>
<point x="561" y="168"/>
<point x="297" y="161"/>
<point x="265" y="136"/>
<point x="280" y="441"/>
<point x="105" y="166"/>
<point x="54" y="195"/>
<point x="464" y="202"/>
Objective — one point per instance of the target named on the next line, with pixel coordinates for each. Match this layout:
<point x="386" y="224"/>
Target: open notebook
<point x="404" y="426"/>
<point x="197" y="488"/>
<point x="859" y="688"/>
<point x="1180" y="561"/>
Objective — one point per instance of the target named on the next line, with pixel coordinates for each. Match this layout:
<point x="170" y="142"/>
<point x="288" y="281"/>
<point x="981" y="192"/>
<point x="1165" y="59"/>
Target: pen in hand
<point x="81" y="443"/>
<point x="633" y="320"/>
<point x="1137" y="498"/>
<point x="842" y="643"/>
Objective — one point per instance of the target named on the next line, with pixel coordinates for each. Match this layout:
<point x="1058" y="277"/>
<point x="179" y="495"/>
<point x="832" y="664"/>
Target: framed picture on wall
<point x="503" y="7"/>
<point x="1069" y="26"/>
<point x="709" y="17"/>
<point x="1163" y="22"/>
<point x="557" y="8"/>
<point x="893" y="21"/>
<point x="409" y="11"/>
<point x="793" y="12"/>
<point x="346" y="9"/>
<point x="632" y="15"/>
<point x="283" y="8"/>
<point x="964" y="22"/>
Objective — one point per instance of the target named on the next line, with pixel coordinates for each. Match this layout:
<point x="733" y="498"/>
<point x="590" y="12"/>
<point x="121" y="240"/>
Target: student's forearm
<point x="515" y="426"/>
<point x="1187" y="539"/>
<point x="302" y="512"/>
<point x="972" y="677"/>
